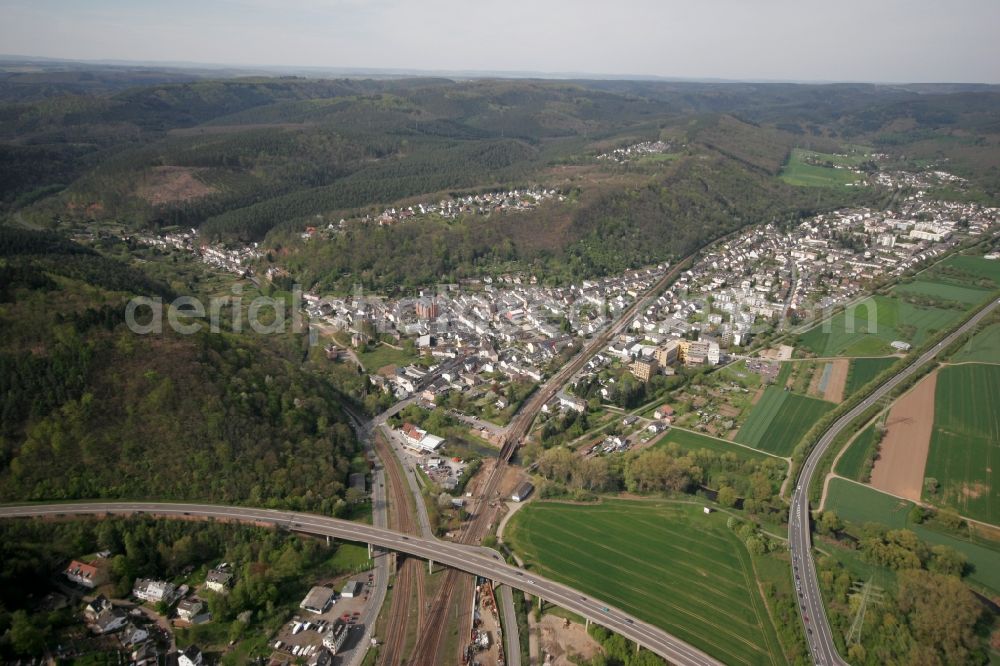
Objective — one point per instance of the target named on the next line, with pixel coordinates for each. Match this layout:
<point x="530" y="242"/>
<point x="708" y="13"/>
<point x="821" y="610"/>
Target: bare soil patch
<point x="729" y="410"/>
<point x="974" y="490"/>
<point x="837" y="381"/>
<point x="903" y="456"/>
<point x="172" y="184"/>
<point x="562" y="640"/>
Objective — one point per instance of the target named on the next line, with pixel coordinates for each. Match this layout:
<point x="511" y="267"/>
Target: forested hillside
<point x="259" y="159"/>
<point x="91" y="409"/>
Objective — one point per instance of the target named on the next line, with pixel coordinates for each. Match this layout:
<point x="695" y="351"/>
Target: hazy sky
<point x="857" y="40"/>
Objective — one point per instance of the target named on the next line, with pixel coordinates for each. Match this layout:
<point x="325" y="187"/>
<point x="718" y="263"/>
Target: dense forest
<point x="91" y="409"/>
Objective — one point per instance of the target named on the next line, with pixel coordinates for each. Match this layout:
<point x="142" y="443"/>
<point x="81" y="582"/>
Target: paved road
<point x="811" y="608"/>
<point x="356" y="654"/>
<point x="472" y="559"/>
<point x="512" y="647"/>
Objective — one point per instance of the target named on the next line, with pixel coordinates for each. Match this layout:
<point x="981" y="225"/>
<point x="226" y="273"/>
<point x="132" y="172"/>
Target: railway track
<point x="473" y="532"/>
<point x="408" y="576"/>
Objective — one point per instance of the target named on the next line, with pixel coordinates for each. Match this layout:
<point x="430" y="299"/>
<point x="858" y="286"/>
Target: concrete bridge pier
<point x="430" y="567"/>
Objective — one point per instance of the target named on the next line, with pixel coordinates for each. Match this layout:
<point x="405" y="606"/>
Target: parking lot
<point x="302" y="636"/>
<point x="438" y="466"/>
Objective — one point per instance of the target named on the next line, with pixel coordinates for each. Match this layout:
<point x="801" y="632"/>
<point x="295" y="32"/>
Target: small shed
<point x="523" y="491"/>
<point x="352" y="588"/>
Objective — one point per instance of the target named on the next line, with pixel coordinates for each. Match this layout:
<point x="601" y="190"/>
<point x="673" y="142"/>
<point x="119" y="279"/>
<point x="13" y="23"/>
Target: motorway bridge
<point x="472" y="559"/>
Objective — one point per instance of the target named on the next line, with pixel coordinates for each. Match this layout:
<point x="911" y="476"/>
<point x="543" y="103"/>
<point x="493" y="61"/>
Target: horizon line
<point x="409" y="72"/>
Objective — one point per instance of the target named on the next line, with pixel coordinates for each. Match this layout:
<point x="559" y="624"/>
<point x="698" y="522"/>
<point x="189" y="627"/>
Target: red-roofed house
<point x="664" y="412"/>
<point x="419" y="439"/>
<point x="84" y="574"/>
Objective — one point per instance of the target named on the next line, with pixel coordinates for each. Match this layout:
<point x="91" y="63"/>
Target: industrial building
<point x="352" y="588"/>
<point x="318" y="600"/>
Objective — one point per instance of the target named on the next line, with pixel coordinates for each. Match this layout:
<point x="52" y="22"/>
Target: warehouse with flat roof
<point x="318" y="600"/>
<point x="352" y="588"/>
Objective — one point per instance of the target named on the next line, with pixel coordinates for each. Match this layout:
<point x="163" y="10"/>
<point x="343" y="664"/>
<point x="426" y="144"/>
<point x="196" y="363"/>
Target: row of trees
<point x="896" y="549"/>
<point x="666" y="469"/>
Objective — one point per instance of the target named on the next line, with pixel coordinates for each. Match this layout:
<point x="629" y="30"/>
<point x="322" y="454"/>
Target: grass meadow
<point x="780" y="419"/>
<point x="383" y="355"/>
<point x="868" y="328"/>
<point x="692" y="441"/>
<point x="944" y="291"/>
<point x="799" y="172"/>
<point x="964" y="454"/>
<point x="851" y="464"/>
<point x="984" y="347"/>
<point x="863" y="370"/>
<point x="666" y="563"/>
<point x="965" y="280"/>
<point x="859" y="504"/>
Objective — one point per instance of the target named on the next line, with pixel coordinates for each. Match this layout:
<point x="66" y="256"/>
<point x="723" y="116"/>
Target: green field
<point x="868" y="328"/>
<point x="350" y="558"/>
<point x="780" y="419"/>
<point x="692" y="441"/>
<point x="383" y="355"/>
<point x="860" y="504"/>
<point x="944" y="291"/>
<point x="863" y="370"/>
<point x="984" y="346"/>
<point x="964" y="455"/>
<point x="975" y="266"/>
<point x="966" y="400"/>
<point x="852" y="462"/>
<point x="798" y="172"/>
<point x="668" y="564"/>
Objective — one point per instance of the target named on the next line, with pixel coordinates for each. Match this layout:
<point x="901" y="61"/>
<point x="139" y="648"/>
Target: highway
<point x="471" y="559"/>
<point x="811" y="608"/>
